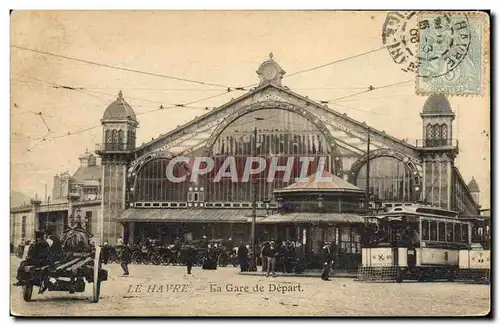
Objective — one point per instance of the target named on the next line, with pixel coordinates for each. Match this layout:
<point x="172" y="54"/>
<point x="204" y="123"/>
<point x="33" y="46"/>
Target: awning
<point x="179" y="215"/>
<point x="338" y="218"/>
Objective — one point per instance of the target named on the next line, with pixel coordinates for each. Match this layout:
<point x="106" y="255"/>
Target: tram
<point x="415" y="242"/>
<point x="474" y="263"/>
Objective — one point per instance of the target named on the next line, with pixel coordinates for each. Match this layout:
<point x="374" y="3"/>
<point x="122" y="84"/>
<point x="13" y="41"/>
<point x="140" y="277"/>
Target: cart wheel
<point x="156" y="259"/>
<point x="399" y="276"/>
<point x="222" y="260"/>
<point x="27" y="292"/>
<point x="452" y="275"/>
<point x="136" y="258"/>
<point x="97" y="268"/>
<point x="165" y="259"/>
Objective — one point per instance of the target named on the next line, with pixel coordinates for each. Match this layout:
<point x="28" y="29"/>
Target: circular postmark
<point x="427" y="44"/>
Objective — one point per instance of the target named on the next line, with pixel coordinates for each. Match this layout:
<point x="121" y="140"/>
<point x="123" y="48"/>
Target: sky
<point x="223" y="48"/>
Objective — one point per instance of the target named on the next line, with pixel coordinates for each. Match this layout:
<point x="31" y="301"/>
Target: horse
<point x="76" y="239"/>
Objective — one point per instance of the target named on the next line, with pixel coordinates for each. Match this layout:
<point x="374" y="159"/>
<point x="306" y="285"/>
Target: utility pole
<point x="47" y="212"/>
<point x="367" y="200"/>
<point x="253" y="261"/>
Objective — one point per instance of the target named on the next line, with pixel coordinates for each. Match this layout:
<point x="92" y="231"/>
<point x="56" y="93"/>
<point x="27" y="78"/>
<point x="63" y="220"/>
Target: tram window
<point x="449" y="232"/>
<point x="465" y="233"/>
<point x="458" y="232"/>
<point x="441" y="231"/>
<point x="433" y="231"/>
<point x="476" y="234"/>
<point x="425" y="230"/>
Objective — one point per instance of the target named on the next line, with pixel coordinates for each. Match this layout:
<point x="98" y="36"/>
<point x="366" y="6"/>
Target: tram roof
<point x="421" y="210"/>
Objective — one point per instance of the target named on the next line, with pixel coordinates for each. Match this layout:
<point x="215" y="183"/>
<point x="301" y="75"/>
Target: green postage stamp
<point x="452" y="53"/>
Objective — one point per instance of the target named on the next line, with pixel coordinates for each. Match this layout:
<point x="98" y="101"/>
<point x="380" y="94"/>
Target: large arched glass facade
<point x="152" y="184"/>
<point x="281" y="135"/>
<point x="390" y="179"/>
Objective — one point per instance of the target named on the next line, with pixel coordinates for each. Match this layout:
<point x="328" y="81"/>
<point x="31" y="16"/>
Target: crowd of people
<point x="275" y="256"/>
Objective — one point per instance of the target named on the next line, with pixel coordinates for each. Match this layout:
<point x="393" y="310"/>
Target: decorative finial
<point x="271" y="56"/>
<point x="120" y="94"/>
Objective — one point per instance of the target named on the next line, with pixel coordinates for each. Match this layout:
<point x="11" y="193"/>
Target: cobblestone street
<point x="151" y="291"/>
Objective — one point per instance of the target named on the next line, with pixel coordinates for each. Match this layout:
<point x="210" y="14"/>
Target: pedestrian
<point x="38" y="255"/>
<point x="265" y="248"/>
<point x="124" y="256"/>
<point x="271" y="254"/>
<point x="299" y="259"/>
<point x="190" y="257"/>
<point x="204" y="243"/>
<point x="327" y="261"/>
<point x="55" y="245"/>
<point x="289" y="253"/>
<point x="243" y="257"/>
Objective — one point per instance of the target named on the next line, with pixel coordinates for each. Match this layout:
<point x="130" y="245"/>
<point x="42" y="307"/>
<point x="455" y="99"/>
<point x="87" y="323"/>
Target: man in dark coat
<point x="190" y="253"/>
<point x="124" y="256"/>
<point x="38" y="255"/>
<point x="300" y="259"/>
<point x="327" y="261"/>
<point x="243" y="257"/>
<point x="55" y="245"/>
<point x="204" y="243"/>
<point x="271" y="254"/>
<point x="264" y="253"/>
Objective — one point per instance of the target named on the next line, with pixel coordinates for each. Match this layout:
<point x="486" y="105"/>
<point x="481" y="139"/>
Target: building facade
<point x="74" y="197"/>
<point x="280" y="126"/>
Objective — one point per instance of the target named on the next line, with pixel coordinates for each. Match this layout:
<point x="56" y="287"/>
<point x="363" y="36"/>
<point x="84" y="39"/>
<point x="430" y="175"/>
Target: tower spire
<point x="120" y="94"/>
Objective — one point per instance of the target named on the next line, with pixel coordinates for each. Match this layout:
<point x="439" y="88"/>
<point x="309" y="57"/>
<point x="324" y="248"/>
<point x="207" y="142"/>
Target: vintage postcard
<point x="250" y="163"/>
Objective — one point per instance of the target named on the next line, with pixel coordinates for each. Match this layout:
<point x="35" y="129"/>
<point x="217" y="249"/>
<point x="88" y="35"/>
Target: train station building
<point x="130" y="196"/>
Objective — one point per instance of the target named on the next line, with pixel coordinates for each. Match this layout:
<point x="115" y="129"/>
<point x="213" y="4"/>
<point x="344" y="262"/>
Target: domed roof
<point x="119" y="110"/>
<point x="437" y="103"/>
<point x="327" y="183"/>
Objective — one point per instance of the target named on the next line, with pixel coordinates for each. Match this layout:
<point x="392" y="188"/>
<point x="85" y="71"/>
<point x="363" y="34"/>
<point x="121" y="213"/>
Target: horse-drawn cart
<point x="68" y="270"/>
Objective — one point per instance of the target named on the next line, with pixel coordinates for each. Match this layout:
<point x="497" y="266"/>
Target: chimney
<point x="92" y="160"/>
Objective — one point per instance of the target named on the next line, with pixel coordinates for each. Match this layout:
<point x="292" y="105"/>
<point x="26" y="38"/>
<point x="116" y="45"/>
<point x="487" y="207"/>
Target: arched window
<point x="114" y="139"/>
<point x="444" y="134"/>
<point x="153" y="185"/>
<point x="121" y="139"/>
<point x="437" y="131"/>
<point x="281" y="135"/>
<point x="390" y="179"/>
<point x="428" y="134"/>
<point x="108" y="140"/>
<point x="444" y="131"/>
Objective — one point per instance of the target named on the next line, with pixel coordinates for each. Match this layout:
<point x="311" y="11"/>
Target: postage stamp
<point x="171" y="167"/>
<point x="452" y="51"/>
<point x="445" y="50"/>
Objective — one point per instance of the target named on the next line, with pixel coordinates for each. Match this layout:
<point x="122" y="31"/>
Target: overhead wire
<point x="369" y="89"/>
<point x="334" y="62"/>
<point x="116" y="67"/>
<point x="229" y="89"/>
<point x="326" y="64"/>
